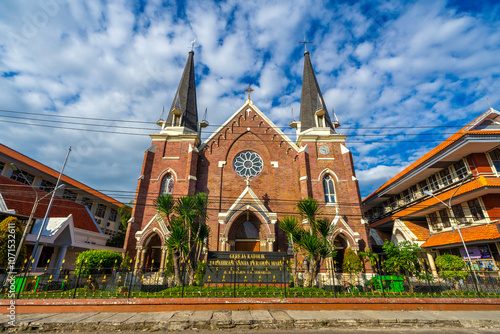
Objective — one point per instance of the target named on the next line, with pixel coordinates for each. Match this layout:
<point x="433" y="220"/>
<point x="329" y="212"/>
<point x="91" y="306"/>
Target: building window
<point x="87" y="202"/>
<point x="406" y="196"/>
<point x="27" y="179"/>
<point x="423" y="186"/>
<point x="445" y="220"/>
<point x="459" y="214"/>
<point x="2" y="166"/>
<point x="329" y="189"/>
<point x="112" y="215"/>
<point x="495" y="158"/>
<point x="433" y="219"/>
<point x="47" y="186"/>
<point x="71" y="195"/>
<point x="460" y="169"/>
<point x="446" y="177"/>
<point x="248" y="164"/>
<point x="167" y="186"/>
<point x="433" y="183"/>
<point x="475" y="209"/>
<point x="101" y="210"/>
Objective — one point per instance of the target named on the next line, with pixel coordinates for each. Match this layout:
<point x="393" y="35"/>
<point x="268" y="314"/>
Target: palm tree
<point x="165" y="204"/>
<point x="309" y="209"/>
<point x="176" y="243"/>
<point x="290" y="226"/>
<point x="312" y="247"/>
<point x="370" y="256"/>
<point x="190" y="213"/>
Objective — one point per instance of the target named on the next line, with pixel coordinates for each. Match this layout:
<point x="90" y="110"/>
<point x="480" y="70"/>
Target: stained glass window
<point x="248" y="164"/>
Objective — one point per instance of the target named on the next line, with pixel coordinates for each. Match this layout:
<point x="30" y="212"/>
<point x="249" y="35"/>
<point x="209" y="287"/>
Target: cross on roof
<point x="249" y="90"/>
<point x="305" y="42"/>
<point x="192" y="44"/>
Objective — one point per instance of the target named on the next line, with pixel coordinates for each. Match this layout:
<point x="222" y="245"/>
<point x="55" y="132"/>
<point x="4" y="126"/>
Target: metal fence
<point x="154" y="283"/>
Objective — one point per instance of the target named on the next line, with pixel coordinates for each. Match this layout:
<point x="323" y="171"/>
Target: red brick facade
<point x="289" y="173"/>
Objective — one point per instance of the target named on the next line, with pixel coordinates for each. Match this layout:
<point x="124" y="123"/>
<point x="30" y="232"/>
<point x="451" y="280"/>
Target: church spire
<point x="313" y="112"/>
<point x="184" y="111"/>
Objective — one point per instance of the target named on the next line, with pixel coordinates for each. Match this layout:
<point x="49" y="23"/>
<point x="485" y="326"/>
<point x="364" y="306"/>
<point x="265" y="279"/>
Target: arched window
<point x="329" y="189"/>
<point x="167" y="186"/>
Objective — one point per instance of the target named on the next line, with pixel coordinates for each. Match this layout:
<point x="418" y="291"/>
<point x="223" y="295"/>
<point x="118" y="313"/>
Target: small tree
<point x="451" y="267"/>
<point x="402" y="259"/>
<point x="352" y="263"/>
<point x="11" y="232"/>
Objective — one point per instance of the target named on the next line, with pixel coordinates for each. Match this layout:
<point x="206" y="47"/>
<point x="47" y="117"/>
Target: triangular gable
<point x="341" y="227"/>
<point x="53" y="229"/>
<point x="401" y="230"/>
<point x="376" y="237"/>
<point x="270" y="123"/>
<point x="3" y="207"/>
<point x="249" y="199"/>
<point x="139" y="235"/>
<point x="490" y="120"/>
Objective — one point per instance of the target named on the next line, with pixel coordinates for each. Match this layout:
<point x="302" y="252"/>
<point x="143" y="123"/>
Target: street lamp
<point x="427" y="192"/>
<point x="35" y="204"/>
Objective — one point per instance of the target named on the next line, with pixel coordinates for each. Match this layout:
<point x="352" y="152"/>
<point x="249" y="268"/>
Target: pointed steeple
<point x="184" y="111"/>
<point x="313" y="112"/>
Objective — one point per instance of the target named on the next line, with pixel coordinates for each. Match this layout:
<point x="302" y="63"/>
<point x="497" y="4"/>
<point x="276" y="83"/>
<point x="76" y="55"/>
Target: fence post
<point x="234" y="280"/>
<point x="332" y="269"/>
<point x="78" y="279"/>
<point x="427" y="278"/>
<point x="284" y="274"/>
<point x="131" y="281"/>
<point x="380" y="276"/>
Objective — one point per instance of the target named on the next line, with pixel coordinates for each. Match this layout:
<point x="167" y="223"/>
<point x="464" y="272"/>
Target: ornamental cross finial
<point x="249" y="90"/>
<point x="305" y="42"/>
<point x="192" y="44"/>
<point x="247" y="181"/>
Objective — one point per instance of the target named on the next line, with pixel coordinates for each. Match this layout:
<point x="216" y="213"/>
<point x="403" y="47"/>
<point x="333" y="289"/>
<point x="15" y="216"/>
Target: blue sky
<point x="400" y="76"/>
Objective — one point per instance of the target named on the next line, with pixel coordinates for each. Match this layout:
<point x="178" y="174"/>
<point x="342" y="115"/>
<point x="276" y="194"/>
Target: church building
<point x="252" y="172"/>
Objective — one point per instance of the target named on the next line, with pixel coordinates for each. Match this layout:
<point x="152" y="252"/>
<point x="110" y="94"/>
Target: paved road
<point x="325" y="331"/>
<point x="263" y="320"/>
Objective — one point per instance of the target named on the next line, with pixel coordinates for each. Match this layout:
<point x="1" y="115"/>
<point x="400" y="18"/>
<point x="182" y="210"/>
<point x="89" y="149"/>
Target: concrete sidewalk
<point x="279" y="319"/>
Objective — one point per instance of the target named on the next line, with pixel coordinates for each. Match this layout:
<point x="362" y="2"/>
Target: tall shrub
<point x="93" y="261"/>
<point x="11" y="232"/>
<point x="451" y="267"/>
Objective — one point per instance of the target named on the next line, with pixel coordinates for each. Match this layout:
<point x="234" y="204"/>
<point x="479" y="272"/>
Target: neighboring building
<point x="252" y="172"/>
<point x="71" y="228"/>
<point x="103" y="208"/>
<point x="465" y="168"/>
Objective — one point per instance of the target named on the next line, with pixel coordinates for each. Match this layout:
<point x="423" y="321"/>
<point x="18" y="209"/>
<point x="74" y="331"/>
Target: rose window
<point x="248" y="164"/>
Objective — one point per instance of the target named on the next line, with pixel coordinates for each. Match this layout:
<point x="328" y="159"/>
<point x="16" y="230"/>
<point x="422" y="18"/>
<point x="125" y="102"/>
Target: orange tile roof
<point x="474" y="233"/>
<point x="476" y="183"/>
<point x="45" y="169"/>
<point x="447" y="142"/>
<point x="420" y="229"/>
<point x="21" y="197"/>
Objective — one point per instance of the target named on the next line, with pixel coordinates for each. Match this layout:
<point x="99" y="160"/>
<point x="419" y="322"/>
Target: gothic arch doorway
<point x="340" y="245"/>
<point x="245" y="234"/>
<point x="153" y="253"/>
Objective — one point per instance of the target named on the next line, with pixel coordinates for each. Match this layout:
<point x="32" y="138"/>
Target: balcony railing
<point x="442" y="182"/>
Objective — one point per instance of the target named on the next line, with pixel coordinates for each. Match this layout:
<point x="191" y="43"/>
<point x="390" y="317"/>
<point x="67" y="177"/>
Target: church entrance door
<point x="247" y="246"/>
<point x="247" y="238"/>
